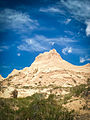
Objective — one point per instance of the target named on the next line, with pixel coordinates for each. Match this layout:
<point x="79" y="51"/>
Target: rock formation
<point x="48" y="71"/>
<point x="1" y="78"/>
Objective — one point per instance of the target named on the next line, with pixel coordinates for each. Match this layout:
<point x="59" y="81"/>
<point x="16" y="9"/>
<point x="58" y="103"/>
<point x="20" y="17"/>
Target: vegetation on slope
<point x="35" y="107"/>
<point x="38" y="107"/>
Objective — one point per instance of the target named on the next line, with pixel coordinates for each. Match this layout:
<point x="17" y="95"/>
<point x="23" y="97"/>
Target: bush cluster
<point x="35" y="107"/>
<point x="77" y="90"/>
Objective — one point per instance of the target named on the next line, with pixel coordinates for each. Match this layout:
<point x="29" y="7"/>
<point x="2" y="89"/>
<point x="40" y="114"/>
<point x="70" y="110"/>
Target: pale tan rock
<point x="48" y="70"/>
<point x="1" y="78"/>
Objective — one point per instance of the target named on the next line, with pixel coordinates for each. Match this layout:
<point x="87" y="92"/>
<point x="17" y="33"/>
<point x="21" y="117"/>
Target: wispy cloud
<point x="33" y="44"/>
<point x="80" y="10"/>
<point x="76" y="50"/>
<point x="88" y="28"/>
<point x="51" y="10"/>
<point x="80" y="51"/>
<point x="16" y="21"/>
<point x="83" y="59"/>
<point x="69" y="32"/>
<point x="52" y="43"/>
<point x="42" y="43"/>
<point x="67" y="50"/>
<point x="3" y="48"/>
<point x="67" y="21"/>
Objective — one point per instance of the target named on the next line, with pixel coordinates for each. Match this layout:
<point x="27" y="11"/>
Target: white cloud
<point x="42" y="43"/>
<point x="6" y="66"/>
<point x="80" y="51"/>
<point x="67" y="21"/>
<point x="15" y="20"/>
<point x="3" y="48"/>
<point x="52" y="43"/>
<point x="51" y="10"/>
<point x="67" y="50"/>
<point x="33" y="44"/>
<point x="83" y="59"/>
<point x="18" y="54"/>
<point x="69" y="32"/>
<point x="80" y="10"/>
<point x="88" y="28"/>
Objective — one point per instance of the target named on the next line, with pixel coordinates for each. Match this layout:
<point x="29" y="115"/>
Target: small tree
<point x="15" y="93"/>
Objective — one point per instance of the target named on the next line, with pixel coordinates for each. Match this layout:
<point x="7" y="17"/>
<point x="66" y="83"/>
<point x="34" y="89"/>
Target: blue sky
<point x="30" y="27"/>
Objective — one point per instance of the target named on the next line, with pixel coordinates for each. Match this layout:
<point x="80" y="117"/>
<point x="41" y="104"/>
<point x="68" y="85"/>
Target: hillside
<point x="49" y="82"/>
<point x="47" y="71"/>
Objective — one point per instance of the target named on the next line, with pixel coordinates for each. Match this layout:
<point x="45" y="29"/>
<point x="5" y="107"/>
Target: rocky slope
<point x="48" y="71"/>
<point x="1" y="78"/>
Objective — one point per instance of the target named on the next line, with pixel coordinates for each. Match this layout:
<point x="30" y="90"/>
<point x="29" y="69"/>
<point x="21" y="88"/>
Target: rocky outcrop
<point x="48" y="71"/>
<point x="1" y="78"/>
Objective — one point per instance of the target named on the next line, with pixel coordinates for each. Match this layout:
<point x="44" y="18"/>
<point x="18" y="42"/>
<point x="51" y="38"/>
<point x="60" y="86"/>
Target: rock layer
<point x="48" y="70"/>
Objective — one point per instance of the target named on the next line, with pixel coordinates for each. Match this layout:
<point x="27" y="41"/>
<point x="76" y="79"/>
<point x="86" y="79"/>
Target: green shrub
<point x="88" y="81"/>
<point x="35" y="107"/>
<point x="67" y="97"/>
<point x="26" y="87"/>
<point x="77" y="90"/>
<point x="47" y="109"/>
<point x="6" y="113"/>
<point x="37" y="96"/>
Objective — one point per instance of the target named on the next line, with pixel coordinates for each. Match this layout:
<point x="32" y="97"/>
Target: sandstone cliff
<point x="48" y="71"/>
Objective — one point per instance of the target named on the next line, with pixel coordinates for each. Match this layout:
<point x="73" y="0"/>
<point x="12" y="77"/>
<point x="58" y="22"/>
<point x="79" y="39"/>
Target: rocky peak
<point x="48" y="69"/>
<point x="52" y="54"/>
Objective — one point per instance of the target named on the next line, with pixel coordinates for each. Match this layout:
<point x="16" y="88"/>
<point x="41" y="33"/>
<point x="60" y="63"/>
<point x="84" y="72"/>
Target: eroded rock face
<point x="46" y="72"/>
<point x="1" y="78"/>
